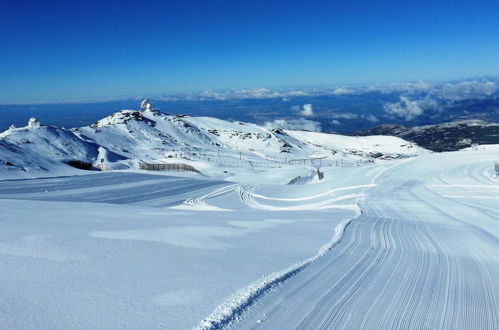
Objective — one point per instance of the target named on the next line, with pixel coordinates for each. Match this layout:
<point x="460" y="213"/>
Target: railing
<point x="167" y="167"/>
<point x="268" y="162"/>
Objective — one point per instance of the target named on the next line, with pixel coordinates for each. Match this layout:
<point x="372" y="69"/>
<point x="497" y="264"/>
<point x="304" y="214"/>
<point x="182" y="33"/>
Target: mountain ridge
<point x="131" y="136"/>
<point x="449" y="136"/>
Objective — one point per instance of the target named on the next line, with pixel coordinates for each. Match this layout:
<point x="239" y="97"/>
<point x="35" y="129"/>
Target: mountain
<point x="443" y="137"/>
<point x="216" y="147"/>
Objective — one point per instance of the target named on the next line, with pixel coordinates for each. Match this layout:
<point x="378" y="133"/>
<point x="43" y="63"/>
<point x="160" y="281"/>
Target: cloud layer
<point x="417" y="99"/>
<point x="294" y="124"/>
<point x="407" y="100"/>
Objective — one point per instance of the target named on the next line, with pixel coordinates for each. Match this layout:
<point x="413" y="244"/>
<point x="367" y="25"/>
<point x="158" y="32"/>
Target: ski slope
<point x="406" y="243"/>
<point x="123" y="250"/>
<point x="423" y="255"/>
<point x="109" y="188"/>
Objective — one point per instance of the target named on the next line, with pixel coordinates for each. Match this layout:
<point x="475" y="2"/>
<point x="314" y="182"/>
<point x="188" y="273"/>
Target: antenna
<point x="145" y="104"/>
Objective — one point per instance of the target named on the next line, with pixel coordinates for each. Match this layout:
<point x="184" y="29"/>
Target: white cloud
<point x="419" y="86"/>
<point x="294" y="124"/>
<point x="342" y="91"/>
<point x="297" y="93"/>
<point x="336" y="122"/>
<point x="410" y="109"/>
<point x="466" y="90"/>
<point x="371" y="118"/>
<point x="350" y="115"/>
<point x="416" y="98"/>
<point x="307" y="110"/>
<point x="344" y="115"/>
<point x="446" y="92"/>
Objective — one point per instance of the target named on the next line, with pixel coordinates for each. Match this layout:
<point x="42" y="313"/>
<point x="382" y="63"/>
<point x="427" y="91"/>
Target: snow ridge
<point x="215" y="147"/>
<point x="233" y="307"/>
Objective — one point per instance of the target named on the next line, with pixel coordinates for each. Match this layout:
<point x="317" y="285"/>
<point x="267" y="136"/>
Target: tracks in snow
<point x="200" y="204"/>
<point x="247" y="197"/>
<point x="408" y="262"/>
<point x="240" y="301"/>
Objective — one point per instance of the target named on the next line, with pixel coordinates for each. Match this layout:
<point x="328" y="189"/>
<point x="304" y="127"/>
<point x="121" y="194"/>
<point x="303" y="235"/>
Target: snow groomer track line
<point x="296" y="204"/>
<point x="414" y="259"/>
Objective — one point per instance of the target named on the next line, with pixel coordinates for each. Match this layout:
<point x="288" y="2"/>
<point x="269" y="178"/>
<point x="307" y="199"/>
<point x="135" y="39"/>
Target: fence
<point x="167" y="167"/>
<point x="268" y="162"/>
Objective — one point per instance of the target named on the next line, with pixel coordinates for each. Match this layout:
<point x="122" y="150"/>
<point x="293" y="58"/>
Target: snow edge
<point x="239" y="301"/>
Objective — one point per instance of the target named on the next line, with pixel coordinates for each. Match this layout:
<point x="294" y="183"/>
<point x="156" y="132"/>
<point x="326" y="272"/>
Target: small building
<point x="33" y="123"/>
<point x="11" y="127"/>
<point x="102" y="162"/>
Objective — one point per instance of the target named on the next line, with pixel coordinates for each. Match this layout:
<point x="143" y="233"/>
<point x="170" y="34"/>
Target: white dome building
<point x="33" y="123"/>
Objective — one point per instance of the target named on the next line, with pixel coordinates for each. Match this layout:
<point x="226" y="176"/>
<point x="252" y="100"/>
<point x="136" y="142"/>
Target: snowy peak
<point x="178" y="132"/>
<point x="120" y="117"/>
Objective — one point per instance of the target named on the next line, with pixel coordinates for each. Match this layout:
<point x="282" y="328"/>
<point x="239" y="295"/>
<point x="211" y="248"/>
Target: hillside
<point x="217" y="148"/>
<point x="444" y="137"/>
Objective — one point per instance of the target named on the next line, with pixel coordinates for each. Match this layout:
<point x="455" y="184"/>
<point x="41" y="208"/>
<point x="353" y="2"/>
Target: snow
<point x="218" y="148"/>
<point x="109" y="247"/>
<point x="423" y="254"/>
<point x="410" y="242"/>
<point x="244" y="298"/>
<point x="378" y="143"/>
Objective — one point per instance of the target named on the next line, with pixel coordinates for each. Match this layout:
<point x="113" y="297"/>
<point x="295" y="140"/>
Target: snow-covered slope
<point x="366" y="146"/>
<point x="407" y="243"/>
<point x="215" y="147"/>
<point x="116" y="250"/>
<point x="41" y="149"/>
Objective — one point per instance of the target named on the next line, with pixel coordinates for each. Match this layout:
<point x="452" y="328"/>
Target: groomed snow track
<point x="414" y="260"/>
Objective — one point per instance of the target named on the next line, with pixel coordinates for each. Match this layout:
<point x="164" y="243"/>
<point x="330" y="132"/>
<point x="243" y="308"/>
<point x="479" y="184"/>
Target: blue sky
<point x="66" y="50"/>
